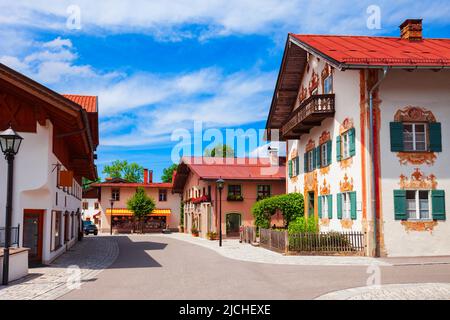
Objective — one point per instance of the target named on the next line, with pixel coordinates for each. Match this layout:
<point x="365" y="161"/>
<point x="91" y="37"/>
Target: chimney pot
<point x="411" y="30"/>
<point x="273" y="156"/>
<point x="145" y="176"/>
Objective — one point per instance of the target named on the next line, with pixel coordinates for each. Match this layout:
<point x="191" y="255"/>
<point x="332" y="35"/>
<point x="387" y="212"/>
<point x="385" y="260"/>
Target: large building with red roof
<point x="365" y="120"/>
<point x="60" y="138"/>
<point x="246" y="180"/>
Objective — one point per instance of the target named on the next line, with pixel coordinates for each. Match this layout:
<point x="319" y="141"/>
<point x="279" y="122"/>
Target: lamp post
<point x="10" y="143"/>
<point x="111" y="201"/>
<point x="220" y="184"/>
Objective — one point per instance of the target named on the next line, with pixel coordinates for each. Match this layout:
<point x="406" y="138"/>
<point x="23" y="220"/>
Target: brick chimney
<point x="411" y="30"/>
<point x="150" y="176"/>
<point x="145" y="176"/>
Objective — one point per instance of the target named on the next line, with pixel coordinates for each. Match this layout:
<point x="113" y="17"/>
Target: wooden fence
<point x="350" y="243"/>
<point x="247" y="234"/>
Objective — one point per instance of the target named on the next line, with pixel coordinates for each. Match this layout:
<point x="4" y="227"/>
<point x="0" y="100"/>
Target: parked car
<point x="89" y="227"/>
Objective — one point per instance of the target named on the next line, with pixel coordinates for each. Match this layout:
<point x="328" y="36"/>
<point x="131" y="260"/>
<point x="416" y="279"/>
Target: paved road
<point x="150" y="267"/>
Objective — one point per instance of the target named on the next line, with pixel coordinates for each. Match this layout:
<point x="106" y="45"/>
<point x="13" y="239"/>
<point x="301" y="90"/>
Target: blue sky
<point x="158" y="66"/>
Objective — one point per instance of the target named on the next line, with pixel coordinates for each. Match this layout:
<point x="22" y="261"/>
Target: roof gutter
<point x="374" y="198"/>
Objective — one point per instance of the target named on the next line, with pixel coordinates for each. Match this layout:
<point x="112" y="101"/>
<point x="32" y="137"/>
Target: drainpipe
<point x="373" y="160"/>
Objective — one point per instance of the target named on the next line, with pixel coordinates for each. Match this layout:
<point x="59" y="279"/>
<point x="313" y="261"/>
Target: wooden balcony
<point x="309" y="114"/>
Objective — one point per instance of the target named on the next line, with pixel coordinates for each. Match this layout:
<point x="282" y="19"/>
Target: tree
<point x="132" y="172"/>
<point x="168" y="173"/>
<point x="220" y="151"/>
<point x="87" y="183"/>
<point x="141" y="205"/>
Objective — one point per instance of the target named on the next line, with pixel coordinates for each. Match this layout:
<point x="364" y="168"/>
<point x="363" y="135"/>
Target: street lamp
<point x="220" y="184"/>
<point x="10" y="143"/>
<point x="111" y="201"/>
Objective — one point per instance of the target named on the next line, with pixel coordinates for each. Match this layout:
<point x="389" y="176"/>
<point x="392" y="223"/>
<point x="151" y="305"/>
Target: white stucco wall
<point x="430" y="90"/>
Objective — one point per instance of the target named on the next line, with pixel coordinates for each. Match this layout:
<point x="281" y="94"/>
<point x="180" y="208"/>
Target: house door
<point x="311" y="204"/>
<point x="233" y="221"/>
<point x="33" y="234"/>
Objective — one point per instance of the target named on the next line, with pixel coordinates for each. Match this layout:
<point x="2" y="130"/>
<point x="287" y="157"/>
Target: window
<point x="85" y="206"/>
<point x="345" y="145"/>
<point x="56" y="230"/>
<point x="263" y="191"/>
<point x="162" y="195"/>
<point x="414" y="137"/>
<point x="418" y="204"/>
<point x="96" y="205"/>
<point x="295" y="167"/>
<point x="323" y="206"/>
<point x="328" y="85"/>
<point x="234" y="190"/>
<point x="346" y="205"/>
<point x="323" y="155"/>
<point x="115" y="194"/>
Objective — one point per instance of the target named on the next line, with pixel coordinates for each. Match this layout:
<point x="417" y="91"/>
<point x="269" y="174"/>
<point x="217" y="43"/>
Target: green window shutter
<point x="317" y="157"/>
<point x="330" y="206"/>
<point x="396" y="136"/>
<point x="338" y="148"/>
<point x="319" y="206"/>
<point x="400" y="204"/>
<point x="290" y="168"/>
<point x="352" y="137"/>
<point x="435" y="137"/>
<point x="339" y="205"/>
<point x="329" y="151"/>
<point x="353" y="205"/>
<point x="438" y="204"/>
<point x="305" y="168"/>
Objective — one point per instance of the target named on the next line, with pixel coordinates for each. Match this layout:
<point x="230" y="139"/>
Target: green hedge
<point x="291" y="205"/>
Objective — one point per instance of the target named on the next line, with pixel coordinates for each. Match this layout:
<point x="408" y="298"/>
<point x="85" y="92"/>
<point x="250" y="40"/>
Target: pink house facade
<point x="246" y="181"/>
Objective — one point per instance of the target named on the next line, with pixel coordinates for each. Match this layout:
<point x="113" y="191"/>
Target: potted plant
<point x="211" y="235"/>
<point x="194" y="231"/>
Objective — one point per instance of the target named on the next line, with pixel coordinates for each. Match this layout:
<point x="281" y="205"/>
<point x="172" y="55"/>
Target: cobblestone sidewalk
<point x="91" y="255"/>
<point x="245" y="252"/>
<point x="410" y="291"/>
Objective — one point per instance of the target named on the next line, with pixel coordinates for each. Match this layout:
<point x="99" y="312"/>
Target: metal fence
<point x="247" y="234"/>
<point x="15" y="231"/>
<point x="352" y="243"/>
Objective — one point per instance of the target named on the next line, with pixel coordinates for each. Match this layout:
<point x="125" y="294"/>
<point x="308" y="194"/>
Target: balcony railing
<point x="310" y="113"/>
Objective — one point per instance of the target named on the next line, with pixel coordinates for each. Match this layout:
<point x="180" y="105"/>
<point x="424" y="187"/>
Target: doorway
<point x="233" y="223"/>
<point x="33" y="234"/>
<point x="311" y="204"/>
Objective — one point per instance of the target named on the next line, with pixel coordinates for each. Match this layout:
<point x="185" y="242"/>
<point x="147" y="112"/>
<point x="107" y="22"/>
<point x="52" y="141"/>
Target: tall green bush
<point x="301" y="224"/>
<point x="291" y="205"/>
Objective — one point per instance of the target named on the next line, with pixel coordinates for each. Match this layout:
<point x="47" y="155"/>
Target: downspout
<point x="374" y="199"/>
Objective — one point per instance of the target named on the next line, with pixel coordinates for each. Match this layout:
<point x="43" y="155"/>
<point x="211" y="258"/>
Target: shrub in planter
<point x="212" y="235"/>
<point x="195" y="232"/>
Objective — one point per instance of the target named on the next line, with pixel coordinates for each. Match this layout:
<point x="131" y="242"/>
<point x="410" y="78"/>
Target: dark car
<point x="89" y="227"/>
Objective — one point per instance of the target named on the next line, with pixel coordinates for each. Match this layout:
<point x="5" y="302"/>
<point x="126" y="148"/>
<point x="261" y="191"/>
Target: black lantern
<point x="220" y="183"/>
<point x="10" y="142"/>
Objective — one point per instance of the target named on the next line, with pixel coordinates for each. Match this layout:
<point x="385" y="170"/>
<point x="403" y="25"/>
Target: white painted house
<point x="322" y="105"/>
<point x="60" y="136"/>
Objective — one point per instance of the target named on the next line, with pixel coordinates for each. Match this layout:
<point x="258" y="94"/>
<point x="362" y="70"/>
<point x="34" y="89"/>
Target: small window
<point x="310" y="164"/>
<point x="234" y="190"/>
<point x="295" y="167"/>
<point x="263" y="191"/>
<point x="414" y="136"/>
<point x="85" y="206"/>
<point x="324" y="206"/>
<point x="96" y="206"/>
<point x="346" y="145"/>
<point x="162" y="195"/>
<point x="418" y="204"/>
<point x="324" y="155"/>
<point x="346" y="206"/>
<point x="328" y="85"/>
<point x="115" y="194"/>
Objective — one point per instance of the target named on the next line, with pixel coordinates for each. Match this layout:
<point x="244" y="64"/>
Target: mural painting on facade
<point x="346" y="185"/>
<point x="418" y="181"/>
<point x="415" y="114"/>
<point x="313" y="83"/>
<point x="325" y="190"/>
<point x="303" y="94"/>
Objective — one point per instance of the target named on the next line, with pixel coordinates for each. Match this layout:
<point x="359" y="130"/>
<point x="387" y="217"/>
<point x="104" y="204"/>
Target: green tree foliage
<point x="132" y="172"/>
<point x="168" y="173"/>
<point x="220" y="151"/>
<point x="87" y="183"/>
<point x="141" y="205"/>
<point x="291" y="205"/>
<point x="301" y="224"/>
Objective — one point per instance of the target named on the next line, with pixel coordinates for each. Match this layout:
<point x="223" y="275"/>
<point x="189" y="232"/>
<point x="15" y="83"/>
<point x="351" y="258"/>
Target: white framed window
<point x="310" y="160"/>
<point x="418" y="204"/>
<point x="328" y="85"/>
<point x="346" y="145"/>
<point x="115" y="194"/>
<point x="324" y="206"/>
<point x="295" y="167"/>
<point x="346" y="206"/>
<point x="415" y="136"/>
<point x="324" y="155"/>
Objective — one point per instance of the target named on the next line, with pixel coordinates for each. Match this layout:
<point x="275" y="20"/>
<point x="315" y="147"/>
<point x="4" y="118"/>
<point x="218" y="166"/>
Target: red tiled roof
<point x="89" y="103"/>
<point x="378" y="51"/>
<point x="235" y="168"/>
<point x="132" y="185"/>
